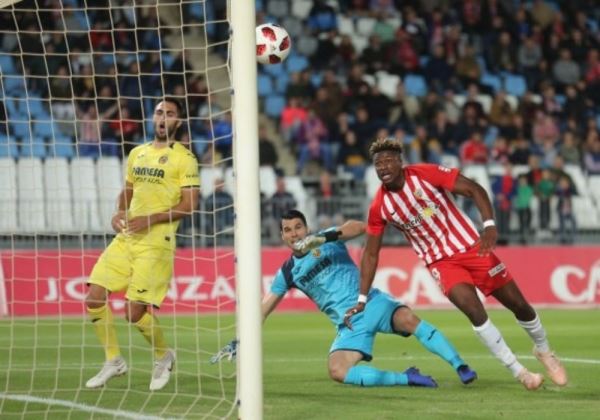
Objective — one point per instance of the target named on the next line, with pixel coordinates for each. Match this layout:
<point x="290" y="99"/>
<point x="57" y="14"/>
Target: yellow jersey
<point x="158" y="175"/>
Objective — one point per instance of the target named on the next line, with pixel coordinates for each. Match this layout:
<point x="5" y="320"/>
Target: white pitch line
<point x="78" y="406"/>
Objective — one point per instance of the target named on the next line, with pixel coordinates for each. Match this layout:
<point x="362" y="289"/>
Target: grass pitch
<point x="42" y="374"/>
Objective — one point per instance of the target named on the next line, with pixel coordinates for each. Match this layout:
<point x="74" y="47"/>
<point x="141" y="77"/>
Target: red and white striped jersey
<point x="425" y="211"/>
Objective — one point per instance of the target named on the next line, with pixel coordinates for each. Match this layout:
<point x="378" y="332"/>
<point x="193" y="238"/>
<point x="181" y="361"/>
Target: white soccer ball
<point x="272" y="43"/>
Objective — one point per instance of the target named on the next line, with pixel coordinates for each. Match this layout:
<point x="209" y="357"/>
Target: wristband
<point x="332" y="235"/>
<point x="488" y="223"/>
<point x="362" y="298"/>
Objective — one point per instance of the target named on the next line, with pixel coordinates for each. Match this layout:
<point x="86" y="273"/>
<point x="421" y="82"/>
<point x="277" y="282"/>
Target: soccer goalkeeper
<point x="161" y="187"/>
<point x="321" y="267"/>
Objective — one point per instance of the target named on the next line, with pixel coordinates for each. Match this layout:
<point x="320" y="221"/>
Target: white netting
<point x="79" y="82"/>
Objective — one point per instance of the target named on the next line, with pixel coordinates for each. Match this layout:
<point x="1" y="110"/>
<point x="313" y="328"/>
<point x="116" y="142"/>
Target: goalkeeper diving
<point x="322" y="268"/>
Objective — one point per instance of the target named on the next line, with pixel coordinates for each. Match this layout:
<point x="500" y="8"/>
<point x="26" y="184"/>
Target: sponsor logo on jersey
<point x="497" y="269"/>
<point x="313" y="272"/>
<point x="144" y="171"/>
<point x="443" y="168"/>
<point x="316" y="252"/>
<point x="163" y="159"/>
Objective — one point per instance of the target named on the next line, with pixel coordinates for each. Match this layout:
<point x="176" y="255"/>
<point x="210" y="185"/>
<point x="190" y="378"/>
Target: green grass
<point x="296" y="384"/>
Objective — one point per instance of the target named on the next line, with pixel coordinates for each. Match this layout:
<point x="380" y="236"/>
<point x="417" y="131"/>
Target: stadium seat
<point x="307" y="45"/>
<point x="513" y="101"/>
<point x="37" y="108"/>
<point x="61" y="146"/>
<point x="85" y="196"/>
<point x="15" y="85"/>
<point x="296" y="63"/>
<point x="370" y="79"/>
<point x="7" y="65"/>
<point x="281" y="84"/>
<point x="13" y="111"/>
<point x="293" y="26"/>
<point x="33" y="147"/>
<point x="301" y="8"/>
<point x="492" y="81"/>
<point x="31" y="202"/>
<point x="59" y="213"/>
<point x="8" y="192"/>
<point x="478" y="173"/>
<point x="8" y="148"/>
<point x="264" y="85"/>
<point x="44" y="129"/>
<point x="360" y="42"/>
<point x="274" y="104"/>
<point x="268" y="180"/>
<point x="518" y="170"/>
<point x="594" y="187"/>
<point x="578" y="177"/>
<point x="372" y="181"/>
<point x="110" y="184"/>
<point x="586" y="214"/>
<point x="208" y="175"/>
<point x="486" y="102"/>
<point x="345" y="25"/>
<point x="415" y="85"/>
<point x="295" y="186"/>
<point x="388" y="84"/>
<point x="273" y="69"/>
<point x="515" y="84"/>
<point x="365" y="25"/>
<point x="278" y="8"/>
<point x="450" y="161"/>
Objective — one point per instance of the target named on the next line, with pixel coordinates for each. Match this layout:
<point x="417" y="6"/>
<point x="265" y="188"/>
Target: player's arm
<point x="471" y="189"/>
<point x="269" y="303"/>
<point x="349" y="230"/>
<point x="123" y="201"/>
<point x="186" y="206"/>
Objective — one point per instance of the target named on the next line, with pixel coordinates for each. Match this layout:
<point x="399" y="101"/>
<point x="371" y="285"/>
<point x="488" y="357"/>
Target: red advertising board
<point x="53" y="283"/>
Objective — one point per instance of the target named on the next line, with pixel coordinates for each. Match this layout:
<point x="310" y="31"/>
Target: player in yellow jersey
<point x="162" y="186"/>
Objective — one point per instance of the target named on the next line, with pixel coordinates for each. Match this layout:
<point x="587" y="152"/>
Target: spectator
<point x="300" y="87"/>
<point x="352" y="156"/>
<point x="281" y="201"/>
<point x="503" y="190"/>
<point x="569" y="149"/>
<point x="402" y="54"/>
<point x="529" y="58"/>
<point x="218" y="216"/>
<point x="544" y="191"/>
<point x="501" y="113"/>
<point x="267" y="154"/>
<point x="313" y="143"/>
<point x="438" y="72"/>
<point x="474" y="150"/>
<point x="565" y="70"/>
<point x="126" y="130"/>
<point x="442" y="130"/>
<point x="558" y="172"/>
<point x="503" y="57"/>
<point x="322" y="18"/>
<point x="500" y="152"/>
<point x="591" y="157"/>
<point x="521" y="151"/>
<point x="468" y="69"/>
<point x="566" y="218"/>
<point x="292" y="117"/>
<point x="373" y="56"/>
<point x="523" y="206"/>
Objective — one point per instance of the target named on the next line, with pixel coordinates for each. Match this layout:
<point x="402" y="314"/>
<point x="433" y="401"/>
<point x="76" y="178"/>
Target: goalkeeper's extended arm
<point x="349" y="230"/>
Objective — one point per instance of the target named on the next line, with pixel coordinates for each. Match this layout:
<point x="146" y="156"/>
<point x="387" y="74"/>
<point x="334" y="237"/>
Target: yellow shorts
<point x="143" y="271"/>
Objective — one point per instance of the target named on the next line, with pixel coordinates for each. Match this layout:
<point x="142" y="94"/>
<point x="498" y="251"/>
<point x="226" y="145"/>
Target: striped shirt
<point x="425" y="212"/>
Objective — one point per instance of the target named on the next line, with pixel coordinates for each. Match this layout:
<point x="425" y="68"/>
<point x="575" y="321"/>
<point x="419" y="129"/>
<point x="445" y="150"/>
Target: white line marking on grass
<point x="78" y="406"/>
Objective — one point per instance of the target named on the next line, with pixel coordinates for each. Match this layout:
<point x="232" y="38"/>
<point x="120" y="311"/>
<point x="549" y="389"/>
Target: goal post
<point x="248" y="228"/>
<point x="78" y="83"/>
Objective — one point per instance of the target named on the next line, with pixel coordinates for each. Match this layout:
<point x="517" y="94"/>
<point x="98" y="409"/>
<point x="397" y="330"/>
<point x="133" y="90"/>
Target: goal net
<point x="78" y="85"/>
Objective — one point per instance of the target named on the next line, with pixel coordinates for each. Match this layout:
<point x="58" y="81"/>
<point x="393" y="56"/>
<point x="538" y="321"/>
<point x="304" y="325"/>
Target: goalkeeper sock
<point x="103" y="322"/>
<point x="536" y="331"/>
<point x="434" y="341"/>
<point x="150" y="329"/>
<point x="491" y="337"/>
<point x="369" y="376"/>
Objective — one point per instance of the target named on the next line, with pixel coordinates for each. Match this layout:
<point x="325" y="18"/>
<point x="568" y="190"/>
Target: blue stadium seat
<point x="44" y="129"/>
<point x="274" y="105"/>
<point x="274" y="69"/>
<point x="415" y="85"/>
<point x="492" y="81"/>
<point x="264" y="85"/>
<point x="13" y="112"/>
<point x="32" y="147"/>
<point x="15" y="85"/>
<point x="62" y="147"/>
<point x="7" y="65"/>
<point x="296" y="63"/>
<point x="21" y="129"/>
<point x="38" y="108"/>
<point x="515" y="84"/>
<point x="281" y="83"/>
<point x="8" y="148"/>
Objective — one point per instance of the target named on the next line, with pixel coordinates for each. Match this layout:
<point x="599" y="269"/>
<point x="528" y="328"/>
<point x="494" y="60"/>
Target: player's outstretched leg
<point x="434" y="341"/>
<point x="542" y="352"/>
<point x="367" y="376"/>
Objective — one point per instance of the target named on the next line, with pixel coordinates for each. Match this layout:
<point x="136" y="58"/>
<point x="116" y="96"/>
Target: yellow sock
<point x="150" y="329"/>
<point x="104" y="326"/>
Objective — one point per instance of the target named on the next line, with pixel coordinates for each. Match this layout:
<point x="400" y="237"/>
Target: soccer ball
<point x="272" y="43"/>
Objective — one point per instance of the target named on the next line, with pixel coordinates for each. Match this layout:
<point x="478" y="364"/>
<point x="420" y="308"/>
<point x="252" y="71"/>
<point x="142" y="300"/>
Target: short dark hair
<point x="385" y="144"/>
<point x="291" y="214"/>
<point x="177" y="103"/>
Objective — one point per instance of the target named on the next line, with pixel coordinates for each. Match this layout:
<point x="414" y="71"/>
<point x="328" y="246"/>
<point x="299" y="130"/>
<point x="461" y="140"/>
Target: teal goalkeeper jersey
<point x="327" y="275"/>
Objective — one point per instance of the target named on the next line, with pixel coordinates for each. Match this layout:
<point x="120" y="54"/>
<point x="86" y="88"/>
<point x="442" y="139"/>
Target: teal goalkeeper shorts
<point x="376" y="318"/>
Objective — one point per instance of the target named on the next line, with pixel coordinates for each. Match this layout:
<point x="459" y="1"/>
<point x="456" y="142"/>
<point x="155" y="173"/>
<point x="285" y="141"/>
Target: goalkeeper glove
<point x="228" y="352"/>
<point x="314" y="241"/>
